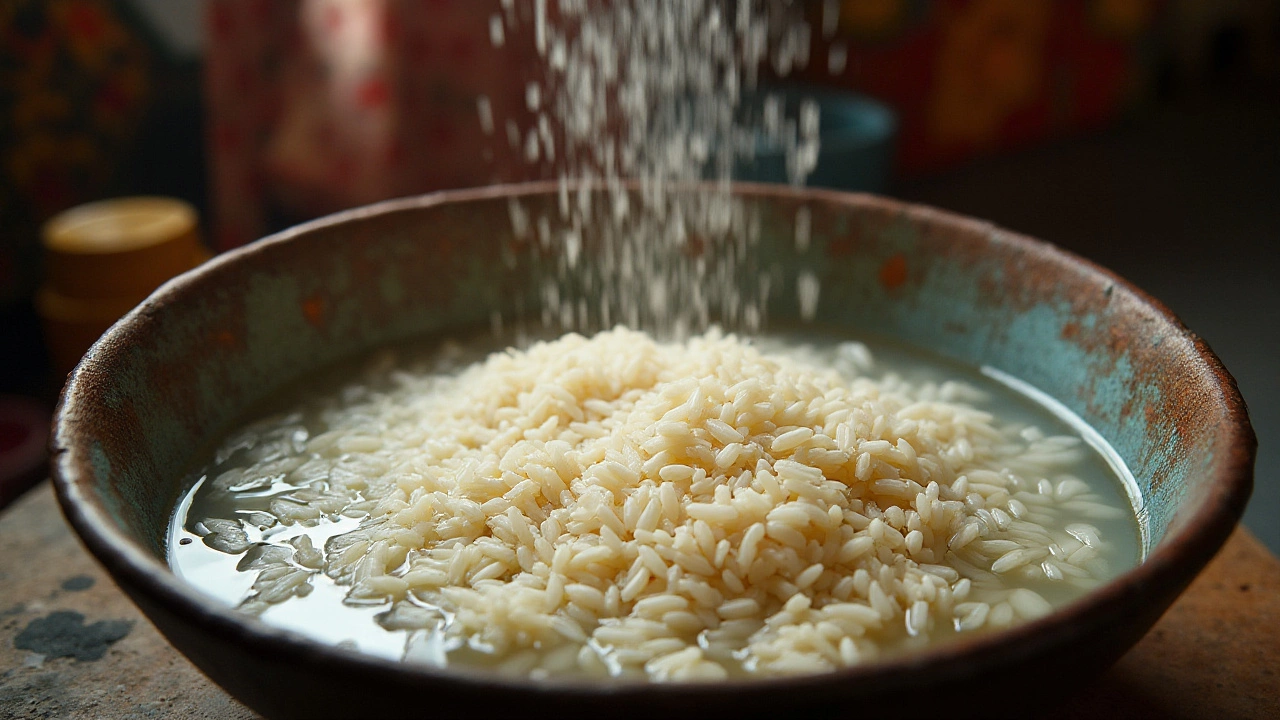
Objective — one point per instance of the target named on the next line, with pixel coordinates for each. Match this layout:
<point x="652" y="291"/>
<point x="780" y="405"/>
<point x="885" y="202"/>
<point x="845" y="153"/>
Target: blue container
<point x="856" y="137"/>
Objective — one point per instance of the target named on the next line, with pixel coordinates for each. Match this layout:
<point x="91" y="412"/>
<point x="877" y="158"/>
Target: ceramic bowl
<point x="183" y="367"/>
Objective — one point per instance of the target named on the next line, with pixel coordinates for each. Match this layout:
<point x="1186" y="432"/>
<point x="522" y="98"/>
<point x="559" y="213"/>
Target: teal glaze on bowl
<point x="985" y="298"/>
<point x="179" y="370"/>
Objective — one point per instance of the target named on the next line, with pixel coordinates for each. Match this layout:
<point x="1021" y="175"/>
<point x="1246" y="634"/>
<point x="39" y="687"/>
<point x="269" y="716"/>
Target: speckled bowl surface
<point x="180" y="369"/>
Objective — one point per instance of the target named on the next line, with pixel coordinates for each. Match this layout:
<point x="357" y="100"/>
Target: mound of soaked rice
<point x="690" y="511"/>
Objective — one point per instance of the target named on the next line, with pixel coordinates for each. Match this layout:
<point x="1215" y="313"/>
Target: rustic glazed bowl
<point x="185" y="365"/>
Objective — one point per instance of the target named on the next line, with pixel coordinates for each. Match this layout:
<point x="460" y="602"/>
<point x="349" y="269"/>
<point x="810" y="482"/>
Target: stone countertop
<point x="72" y="645"/>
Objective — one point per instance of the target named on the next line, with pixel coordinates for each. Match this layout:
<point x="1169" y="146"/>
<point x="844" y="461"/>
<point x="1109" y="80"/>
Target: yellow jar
<point x="102" y="259"/>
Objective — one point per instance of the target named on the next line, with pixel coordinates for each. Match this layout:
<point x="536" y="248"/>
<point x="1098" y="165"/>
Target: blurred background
<point x="1142" y="134"/>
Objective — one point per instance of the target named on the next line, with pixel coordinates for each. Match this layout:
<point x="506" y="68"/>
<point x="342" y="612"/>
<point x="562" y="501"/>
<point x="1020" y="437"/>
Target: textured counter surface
<point x="72" y="645"/>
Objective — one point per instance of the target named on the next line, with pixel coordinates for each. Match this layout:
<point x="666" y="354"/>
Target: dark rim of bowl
<point x="1172" y="562"/>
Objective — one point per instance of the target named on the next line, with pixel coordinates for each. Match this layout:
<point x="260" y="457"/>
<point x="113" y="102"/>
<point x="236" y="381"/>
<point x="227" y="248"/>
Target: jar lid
<point x="118" y="225"/>
<point x="120" y="248"/>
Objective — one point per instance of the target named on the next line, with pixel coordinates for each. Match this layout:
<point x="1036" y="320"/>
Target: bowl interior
<point x="180" y="370"/>
<point x="252" y="322"/>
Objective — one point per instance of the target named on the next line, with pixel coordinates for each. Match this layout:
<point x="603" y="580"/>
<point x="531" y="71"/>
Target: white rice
<point x="690" y="511"/>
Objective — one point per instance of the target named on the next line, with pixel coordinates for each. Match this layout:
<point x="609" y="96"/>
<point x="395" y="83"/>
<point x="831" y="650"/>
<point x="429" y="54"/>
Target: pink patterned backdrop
<point x="317" y="105"/>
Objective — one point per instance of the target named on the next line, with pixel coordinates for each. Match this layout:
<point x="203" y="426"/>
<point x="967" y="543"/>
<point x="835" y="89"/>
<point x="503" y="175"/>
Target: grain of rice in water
<point x="680" y="511"/>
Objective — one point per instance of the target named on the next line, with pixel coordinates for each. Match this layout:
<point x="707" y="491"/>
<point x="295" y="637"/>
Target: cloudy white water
<point x="642" y="99"/>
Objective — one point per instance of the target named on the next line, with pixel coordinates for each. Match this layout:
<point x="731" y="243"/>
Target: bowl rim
<point x="1175" y="560"/>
